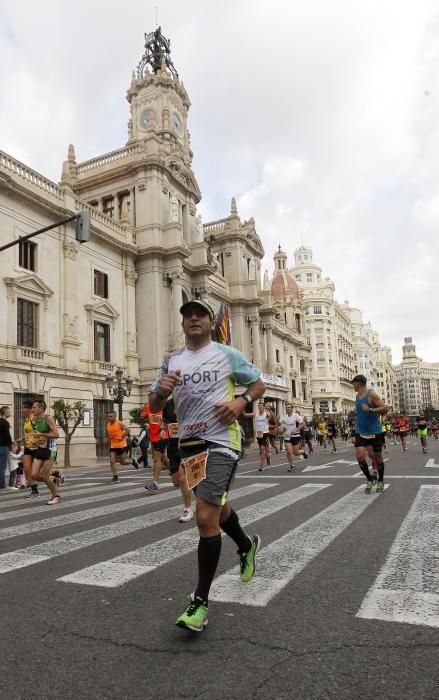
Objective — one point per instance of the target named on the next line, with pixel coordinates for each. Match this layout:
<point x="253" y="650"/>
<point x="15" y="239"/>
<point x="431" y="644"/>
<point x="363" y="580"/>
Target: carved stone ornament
<point x="71" y="249"/>
<point x="131" y="277"/>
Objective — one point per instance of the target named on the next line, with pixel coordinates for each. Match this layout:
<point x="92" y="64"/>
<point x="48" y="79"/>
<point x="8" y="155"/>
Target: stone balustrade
<point x="31" y="353"/>
<point x="107" y="158"/>
<point x="212" y="226"/>
<point x="100" y="219"/>
<point x="15" y="167"/>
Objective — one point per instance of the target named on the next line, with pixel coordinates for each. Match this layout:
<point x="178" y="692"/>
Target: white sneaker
<point x="187" y="515"/>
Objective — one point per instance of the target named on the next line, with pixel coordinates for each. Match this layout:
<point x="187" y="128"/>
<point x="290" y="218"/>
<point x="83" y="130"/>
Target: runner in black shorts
<point x="261" y="418"/>
<point x="170" y="426"/>
<point x="369" y="406"/>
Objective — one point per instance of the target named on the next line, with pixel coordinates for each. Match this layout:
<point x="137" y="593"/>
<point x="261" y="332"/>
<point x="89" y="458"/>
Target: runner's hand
<point x="365" y="407"/>
<point x="228" y="411"/>
<point x="168" y="384"/>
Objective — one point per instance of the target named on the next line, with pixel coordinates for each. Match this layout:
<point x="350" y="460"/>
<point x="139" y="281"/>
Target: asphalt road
<point x="344" y="604"/>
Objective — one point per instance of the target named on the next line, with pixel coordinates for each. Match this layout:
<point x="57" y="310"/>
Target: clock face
<point x="147" y="118"/>
<point x="176" y="124"/>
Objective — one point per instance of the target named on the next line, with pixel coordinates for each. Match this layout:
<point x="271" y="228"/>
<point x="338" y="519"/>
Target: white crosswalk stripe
<point x="120" y="570"/>
<point x="407" y="586"/>
<point x="45" y="551"/>
<point x="109" y="494"/>
<point x="282" y="560"/>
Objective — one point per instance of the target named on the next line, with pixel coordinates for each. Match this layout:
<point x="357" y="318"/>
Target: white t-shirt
<point x="208" y="377"/>
<point x="290" y="423"/>
<point x="261" y="422"/>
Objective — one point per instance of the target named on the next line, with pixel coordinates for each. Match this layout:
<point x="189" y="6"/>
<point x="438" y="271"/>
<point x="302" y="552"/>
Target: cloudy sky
<point x="322" y="118"/>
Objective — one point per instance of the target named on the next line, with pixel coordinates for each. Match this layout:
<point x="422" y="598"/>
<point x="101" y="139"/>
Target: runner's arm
<point x="378" y="405"/>
<point x="54" y="432"/>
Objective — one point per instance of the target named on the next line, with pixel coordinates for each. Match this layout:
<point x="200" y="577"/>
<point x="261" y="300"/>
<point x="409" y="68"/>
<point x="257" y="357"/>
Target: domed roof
<point x="284" y="285"/>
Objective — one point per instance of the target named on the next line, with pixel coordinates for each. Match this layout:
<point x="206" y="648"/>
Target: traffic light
<point x="83" y="226"/>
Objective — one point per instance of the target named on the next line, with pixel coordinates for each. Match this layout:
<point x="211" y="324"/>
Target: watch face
<point x="147" y="118"/>
<point x="176" y="124"/>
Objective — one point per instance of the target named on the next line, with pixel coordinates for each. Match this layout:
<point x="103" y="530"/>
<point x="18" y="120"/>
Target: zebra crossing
<point x="406" y="588"/>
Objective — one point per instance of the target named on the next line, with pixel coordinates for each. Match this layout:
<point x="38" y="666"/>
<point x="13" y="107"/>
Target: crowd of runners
<point x="190" y="428"/>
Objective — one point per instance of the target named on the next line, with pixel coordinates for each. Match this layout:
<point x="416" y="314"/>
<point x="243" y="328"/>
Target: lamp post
<point x="118" y="392"/>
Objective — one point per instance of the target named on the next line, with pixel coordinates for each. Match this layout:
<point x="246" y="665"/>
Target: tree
<point x="136" y="416"/>
<point x="68" y="416"/>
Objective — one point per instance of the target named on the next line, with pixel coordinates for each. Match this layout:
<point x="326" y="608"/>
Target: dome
<point x="284" y="285"/>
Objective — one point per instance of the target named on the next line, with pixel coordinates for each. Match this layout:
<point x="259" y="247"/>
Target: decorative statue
<point x="199" y="233"/>
<point x="173" y="210"/>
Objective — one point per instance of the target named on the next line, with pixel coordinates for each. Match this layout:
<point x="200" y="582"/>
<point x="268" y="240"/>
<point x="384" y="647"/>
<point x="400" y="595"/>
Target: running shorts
<point x="160" y="446"/>
<point x="262" y="441"/>
<point x="376" y="442"/>
<point x="42" y="453"/>
<point x="220" y="472"/>
<point x="422" y="432"/>
<point x="118" y="450"/>
<point x="174" y="457"/>
<point x="295" y="439"/>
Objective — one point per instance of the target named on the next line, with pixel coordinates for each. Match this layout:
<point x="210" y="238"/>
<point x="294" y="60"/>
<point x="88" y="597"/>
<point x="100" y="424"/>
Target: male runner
<point x="272" y="426"/>
<point x="169" y="426"/>
<point x="402" y="427"/>
<point x="202" y="377"/>
<point x="261" y="418"/>
<point x="291" y="424"/>
<point x="117" y="433"/>
<point x="434" y="427"/>
<point x="159" y="443"/>
<point x="323" y="428"/>
<point x="46" y="435"/>
<point x="307" y="435"/>
<point x="422" y="429"/>
<point x="332" y="432"/>
<point x="369" y="406"/>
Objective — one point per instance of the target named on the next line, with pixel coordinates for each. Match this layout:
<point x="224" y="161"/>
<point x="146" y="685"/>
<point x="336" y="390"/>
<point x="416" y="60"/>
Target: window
<point x="304" y="391"/>
<point x="317" y="309"/>
<point x="291" y="361"/>
<point x="298" y="278"/>
<point x="309" y="276"/>
<point x="27" y="255"/>
<point x="101" y="284"/>
<point x="320" y="356"/>
<point x="108" y="207"/>
<point x="277" y="355"/>
<point x="27" y="319"/>
<point x="102" y="342"/>
<point x="293" y="389"/>
<point x="319" y="340"/>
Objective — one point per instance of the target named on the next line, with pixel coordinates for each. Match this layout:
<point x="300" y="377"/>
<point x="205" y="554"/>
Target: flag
<point x="223" y="333"/>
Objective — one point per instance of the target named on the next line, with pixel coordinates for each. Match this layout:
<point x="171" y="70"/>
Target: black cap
<point x="202" y="304"/>
<point x="360" y="378"/>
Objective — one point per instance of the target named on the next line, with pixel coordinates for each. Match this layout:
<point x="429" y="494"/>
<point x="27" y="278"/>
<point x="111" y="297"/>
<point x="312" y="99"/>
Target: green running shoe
<point x="194" y="616"/>
<point x="368" y="488"/>
<point x="380" y="487"/>
<point x="248" y="559"/>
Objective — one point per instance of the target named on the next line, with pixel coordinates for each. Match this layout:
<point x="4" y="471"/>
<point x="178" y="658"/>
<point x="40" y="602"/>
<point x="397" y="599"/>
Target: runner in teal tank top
<point x="368" y="430"/>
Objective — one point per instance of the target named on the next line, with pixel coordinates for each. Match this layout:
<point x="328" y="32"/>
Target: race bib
<point x="154" y="418"/>
<point x="259" y="434"/>
<point x="195" y="469"/>
<point x="173" y="430"/>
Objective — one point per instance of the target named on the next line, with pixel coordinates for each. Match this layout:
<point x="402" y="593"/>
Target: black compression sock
<point x="365" y="469"/>
<point x="381" y="471"/>
<point x="209" y="550"/>
<point x="233" y="529"/>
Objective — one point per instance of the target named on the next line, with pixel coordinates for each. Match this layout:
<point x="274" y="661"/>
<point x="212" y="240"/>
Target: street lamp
<point x="118" y="392"/>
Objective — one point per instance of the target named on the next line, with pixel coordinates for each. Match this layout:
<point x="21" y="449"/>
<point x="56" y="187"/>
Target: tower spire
<point x="157" y="54"/>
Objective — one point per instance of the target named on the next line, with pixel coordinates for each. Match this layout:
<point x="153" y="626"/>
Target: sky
<point x="320" y="117"/>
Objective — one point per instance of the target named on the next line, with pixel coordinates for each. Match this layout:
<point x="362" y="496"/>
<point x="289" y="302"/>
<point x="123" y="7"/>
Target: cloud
<point x="321" y="118"/>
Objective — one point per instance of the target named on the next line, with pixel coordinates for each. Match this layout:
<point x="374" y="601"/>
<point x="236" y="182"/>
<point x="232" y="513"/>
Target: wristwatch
<point x="246" y="396"/>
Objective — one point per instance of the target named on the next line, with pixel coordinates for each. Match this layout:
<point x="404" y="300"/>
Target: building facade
<point x="74" y="313"/>
<point x="417" y="381"/>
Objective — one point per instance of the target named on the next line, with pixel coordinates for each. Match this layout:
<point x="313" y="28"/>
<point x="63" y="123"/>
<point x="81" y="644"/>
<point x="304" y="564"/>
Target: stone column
<point x="131" y="354"/>
<point x="256" y="338"/>
<point x="70" y="340"/>
<point x="270" y="349"/>
<point x="177" y="301"/>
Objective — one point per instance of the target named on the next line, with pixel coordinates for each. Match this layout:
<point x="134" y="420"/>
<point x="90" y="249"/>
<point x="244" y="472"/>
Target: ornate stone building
<point x="417" y="381"/>
<point x="74" y="313"/>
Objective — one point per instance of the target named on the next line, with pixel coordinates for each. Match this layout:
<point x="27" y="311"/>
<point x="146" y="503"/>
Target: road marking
<point x="122" y="491"/>
<point x="18" y="496"/>
<point x="283" y="559"/>
<point x="118" y="571"/>
<point x="35" y="554"/>
<point x="431" y="463"/>
<point x="336" y="462"/>
<point x="407" y="586"/>
<point x="71" y="518"/>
